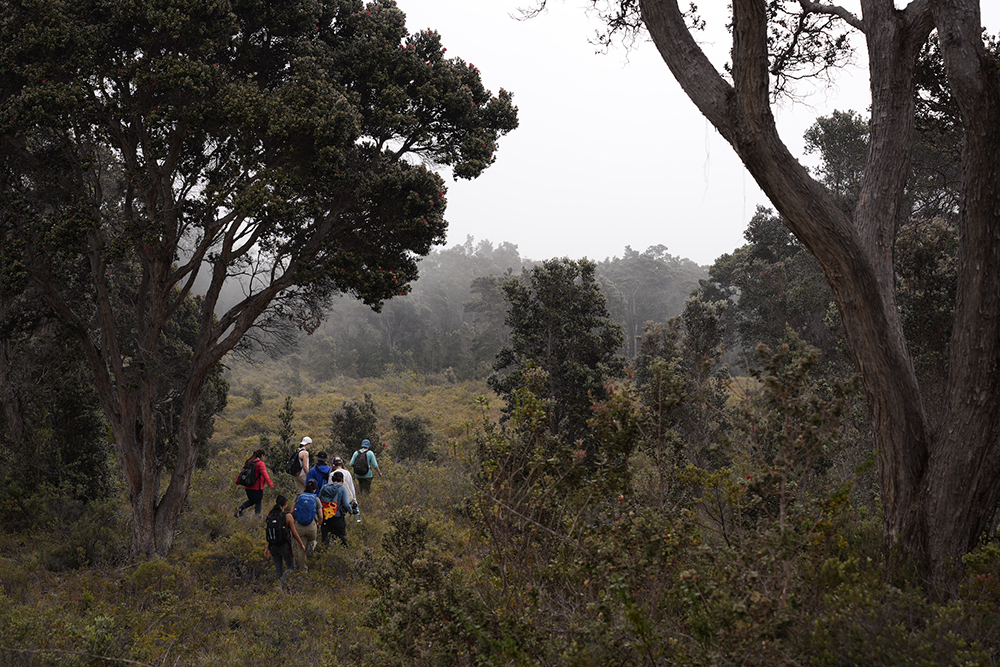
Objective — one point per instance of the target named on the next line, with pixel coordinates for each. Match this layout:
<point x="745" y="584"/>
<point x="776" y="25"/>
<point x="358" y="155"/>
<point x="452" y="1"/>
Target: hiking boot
<point x="238" y="512"/>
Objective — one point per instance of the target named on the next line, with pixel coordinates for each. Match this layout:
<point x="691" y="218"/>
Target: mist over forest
<point x="453" y="319"/>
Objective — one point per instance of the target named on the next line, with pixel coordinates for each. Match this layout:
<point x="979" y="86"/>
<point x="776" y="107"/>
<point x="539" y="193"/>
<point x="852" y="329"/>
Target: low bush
<point x="411" y="438"/>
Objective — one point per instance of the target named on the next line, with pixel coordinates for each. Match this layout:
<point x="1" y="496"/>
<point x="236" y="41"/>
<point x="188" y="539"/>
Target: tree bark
<point x="963" y="485"/>
<point x="932" y="512"/>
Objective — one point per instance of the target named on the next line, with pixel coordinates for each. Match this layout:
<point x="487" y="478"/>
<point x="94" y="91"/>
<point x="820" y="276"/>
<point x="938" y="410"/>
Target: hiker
<point x="336" y="507"/>
<point x="320" y="472"/>
<point x="338" y="466"/>
<point x="303" y="465"/>
<point x="308" y="514"/>
<point x="365" y="466"/>
<point x="258" y="477"/>
<point x="279" y="529"/>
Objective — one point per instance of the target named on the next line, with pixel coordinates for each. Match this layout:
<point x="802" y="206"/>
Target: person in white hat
<point x="303" y="473"/>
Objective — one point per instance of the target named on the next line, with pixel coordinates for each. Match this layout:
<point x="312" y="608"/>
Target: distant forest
<point x="453" y="320"/>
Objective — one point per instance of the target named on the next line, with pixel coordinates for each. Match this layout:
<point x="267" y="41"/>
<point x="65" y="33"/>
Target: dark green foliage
<point x="618" y="425"/>
<point x="286" y="433"/>
<point x="841" y="139"/>
<point x="927" y="278"/>
<point x="665" y="391"/>
<point x="64" y="443"/>
<point x="560" y="324"/>
<point x="411" y="438"/>
<point x="287" y="443"/>
<point x="51" y="428"/>
<point x="684" y="386"/>
<point x="429" y="614"/>
<point x="179" y="338"/>
<point x="774" y="283"/>
<point x="355" y="421"/>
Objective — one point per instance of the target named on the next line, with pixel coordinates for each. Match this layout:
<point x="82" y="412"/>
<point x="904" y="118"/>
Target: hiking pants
<point x="281" y="554"/>
<point x="336" y="526"/>
<point x="254" y="499"/>
<point x="308" y="535"/>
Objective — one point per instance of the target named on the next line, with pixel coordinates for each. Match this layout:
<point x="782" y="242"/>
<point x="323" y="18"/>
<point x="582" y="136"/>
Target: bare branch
<point x="833" y="10"/>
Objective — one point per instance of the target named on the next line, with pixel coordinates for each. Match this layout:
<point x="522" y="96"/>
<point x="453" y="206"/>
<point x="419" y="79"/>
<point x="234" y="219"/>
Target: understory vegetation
<point x="787" y="458"/>
<point x="500" y="543"/>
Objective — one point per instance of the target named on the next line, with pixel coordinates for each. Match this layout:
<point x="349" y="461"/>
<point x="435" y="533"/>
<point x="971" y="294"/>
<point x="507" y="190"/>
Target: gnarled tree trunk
<point x="939" y="486"/>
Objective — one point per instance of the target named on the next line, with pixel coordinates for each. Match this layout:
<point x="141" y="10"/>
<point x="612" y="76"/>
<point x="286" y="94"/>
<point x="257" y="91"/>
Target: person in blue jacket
<point x="336" y="506"/>
<point x="319" y="472"/>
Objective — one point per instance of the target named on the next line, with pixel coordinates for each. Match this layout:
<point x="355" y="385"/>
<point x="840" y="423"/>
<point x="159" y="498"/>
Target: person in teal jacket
<point x="365" y="466"/>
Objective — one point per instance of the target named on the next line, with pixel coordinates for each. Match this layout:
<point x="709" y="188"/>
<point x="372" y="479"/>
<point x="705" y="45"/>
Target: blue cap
<point x="365" y="444"/>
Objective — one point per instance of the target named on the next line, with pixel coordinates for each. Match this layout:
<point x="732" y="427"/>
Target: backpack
<point x="361" y="467"/>
<point x="248" y="474"/>
<point x="276" y="528"/>
<point x="305" y="509"/>
<point x="294" y="465"/>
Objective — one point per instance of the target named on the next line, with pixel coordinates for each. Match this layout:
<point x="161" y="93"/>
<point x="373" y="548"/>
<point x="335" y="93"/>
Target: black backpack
<point x="361" y="466"/>
<point x="294" y="465"/>
<point x="248" y="474"/>
<point x="276" y="528"/>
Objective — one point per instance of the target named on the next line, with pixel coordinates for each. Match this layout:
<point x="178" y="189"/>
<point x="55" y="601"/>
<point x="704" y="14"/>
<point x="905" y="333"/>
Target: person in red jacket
<point x="255" y="492"/>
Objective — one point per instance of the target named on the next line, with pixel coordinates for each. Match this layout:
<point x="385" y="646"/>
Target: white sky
<point x="609" y="152"/>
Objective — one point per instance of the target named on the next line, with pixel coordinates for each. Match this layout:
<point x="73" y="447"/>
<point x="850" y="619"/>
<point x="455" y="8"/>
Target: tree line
<point x="452" y="322"/>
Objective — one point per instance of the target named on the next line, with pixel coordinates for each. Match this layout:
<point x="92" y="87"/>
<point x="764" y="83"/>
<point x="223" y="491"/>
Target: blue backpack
<point x="305" y="509"/>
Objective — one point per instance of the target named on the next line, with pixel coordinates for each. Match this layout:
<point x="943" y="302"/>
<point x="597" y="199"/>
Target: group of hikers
<point x="325" y="495"/>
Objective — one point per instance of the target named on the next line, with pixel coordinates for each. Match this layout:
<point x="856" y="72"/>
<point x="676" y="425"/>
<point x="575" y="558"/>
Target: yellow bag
<point x="329" y="509"/>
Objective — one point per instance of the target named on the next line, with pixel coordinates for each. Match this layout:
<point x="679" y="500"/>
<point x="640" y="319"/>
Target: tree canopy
<point x="185" y="144"/>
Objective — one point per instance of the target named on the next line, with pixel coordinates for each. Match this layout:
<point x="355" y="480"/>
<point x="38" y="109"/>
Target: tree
<point x="773" y="284"/>
<point x="560" y="325"/>
<point x="286" y="432"/>
<point x="683" y="385"/>
<point x="644" y="287"/>
<point x="940" y="481"/>
<point x="841" y="139"/>
<point x="280" y="145"/>
<point x="51" y="430"/>
<point x="412" y="437"/>
<point x="355" y="421"/>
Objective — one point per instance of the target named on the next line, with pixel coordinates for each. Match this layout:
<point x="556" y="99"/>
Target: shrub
<point x="355" y="421"/>
<point x="411" y="438"/>
<point x="256" y="396"/>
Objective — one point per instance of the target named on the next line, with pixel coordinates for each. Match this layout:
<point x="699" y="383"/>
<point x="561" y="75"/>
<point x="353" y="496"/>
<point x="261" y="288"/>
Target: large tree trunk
<point x="963" y="484"/>
<point x="938" y="489"/>
<point x="154" y="516"/>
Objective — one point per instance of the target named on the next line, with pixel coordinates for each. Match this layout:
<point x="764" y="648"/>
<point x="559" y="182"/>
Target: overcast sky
<point x="610" y="152"/>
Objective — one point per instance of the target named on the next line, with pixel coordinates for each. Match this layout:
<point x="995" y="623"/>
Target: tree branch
<point x="833" y="10"/>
